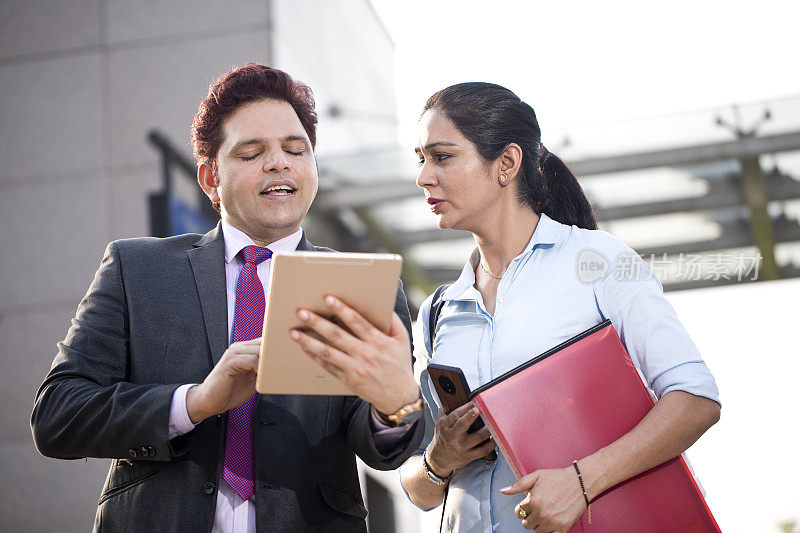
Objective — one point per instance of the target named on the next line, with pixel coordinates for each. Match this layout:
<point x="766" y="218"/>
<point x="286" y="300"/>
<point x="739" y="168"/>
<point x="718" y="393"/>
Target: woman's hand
<point x="554" y="501"/>
<point x="452" y="447"/>
<point x="374" y="365"/>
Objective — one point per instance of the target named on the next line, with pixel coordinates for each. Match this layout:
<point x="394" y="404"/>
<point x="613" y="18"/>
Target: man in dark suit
<point x="149" y="377"/>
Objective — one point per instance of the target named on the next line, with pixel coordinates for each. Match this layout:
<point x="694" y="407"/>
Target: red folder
<point x="573" y="400"/>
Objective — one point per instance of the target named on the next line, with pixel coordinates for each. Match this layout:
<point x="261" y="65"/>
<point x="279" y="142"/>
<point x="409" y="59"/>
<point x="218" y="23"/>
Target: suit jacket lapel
<point x="207" y="258"/>
<point x="304" y="245"/>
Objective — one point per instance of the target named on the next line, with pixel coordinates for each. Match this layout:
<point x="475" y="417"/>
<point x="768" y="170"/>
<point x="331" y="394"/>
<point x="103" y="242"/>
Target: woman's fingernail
<point x="294" y="334"/>
<point x="505" y="489"/>
<point x="330" y="301"/>
<point x="303" y="314"/>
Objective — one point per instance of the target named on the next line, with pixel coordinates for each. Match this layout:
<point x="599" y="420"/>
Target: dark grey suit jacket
<point x="155" y="317"/>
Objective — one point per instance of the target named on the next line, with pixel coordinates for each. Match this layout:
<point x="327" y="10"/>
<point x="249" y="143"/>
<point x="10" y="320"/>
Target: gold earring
<point x="503" y="178"/>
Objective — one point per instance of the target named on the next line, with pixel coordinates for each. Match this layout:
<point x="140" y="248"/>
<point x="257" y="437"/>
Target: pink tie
<point x="248" y="320"/>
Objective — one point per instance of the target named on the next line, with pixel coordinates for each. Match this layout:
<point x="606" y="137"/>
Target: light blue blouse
<point x="567" y="280"/>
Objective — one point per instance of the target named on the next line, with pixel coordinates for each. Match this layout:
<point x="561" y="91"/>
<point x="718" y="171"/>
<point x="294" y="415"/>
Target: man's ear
<point x="208" y="181"/>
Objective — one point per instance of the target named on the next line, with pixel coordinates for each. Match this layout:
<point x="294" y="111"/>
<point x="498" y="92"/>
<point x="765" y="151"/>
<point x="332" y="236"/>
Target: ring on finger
<point x="523" y="514"/>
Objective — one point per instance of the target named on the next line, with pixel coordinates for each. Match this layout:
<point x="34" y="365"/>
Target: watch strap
<point x="432" y="476"/>
<point x="397" y="418"/>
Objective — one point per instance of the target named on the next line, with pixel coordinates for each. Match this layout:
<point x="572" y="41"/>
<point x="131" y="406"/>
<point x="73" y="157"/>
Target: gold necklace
<point x="480" y="262"/>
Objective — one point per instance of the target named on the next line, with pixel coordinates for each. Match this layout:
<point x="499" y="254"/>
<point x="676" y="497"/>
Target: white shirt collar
<point x="236" y="239"/>
<point x="548" y="231"/>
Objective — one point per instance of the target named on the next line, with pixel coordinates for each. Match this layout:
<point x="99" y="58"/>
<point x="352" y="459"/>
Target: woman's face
<point x="459" y="185"/>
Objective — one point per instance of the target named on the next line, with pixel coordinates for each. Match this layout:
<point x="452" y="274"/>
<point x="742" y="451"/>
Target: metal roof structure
<point x="716" y="188"/>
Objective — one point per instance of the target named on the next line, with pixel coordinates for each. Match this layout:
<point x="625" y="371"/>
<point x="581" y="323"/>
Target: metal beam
<point x="688" y="155"/>
<point x="719" y="195"/>
<point x="735" y="234"/>
<point x="171" y="155"/>
<point x="367" y="195"/>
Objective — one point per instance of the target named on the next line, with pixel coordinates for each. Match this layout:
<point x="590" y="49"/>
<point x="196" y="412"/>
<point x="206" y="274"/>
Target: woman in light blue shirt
<point x="541" y="273"/>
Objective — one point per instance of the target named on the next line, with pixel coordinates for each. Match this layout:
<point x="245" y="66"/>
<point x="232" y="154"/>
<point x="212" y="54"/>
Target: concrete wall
<point x="83" y="81"/>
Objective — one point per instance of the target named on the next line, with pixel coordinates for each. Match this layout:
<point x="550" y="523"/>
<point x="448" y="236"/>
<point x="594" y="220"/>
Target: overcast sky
<point x="580" y="63"/>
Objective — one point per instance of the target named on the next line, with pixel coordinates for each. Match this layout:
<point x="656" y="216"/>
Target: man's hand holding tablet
<point x="372" y="364"/>
<point x="329" y="328"/>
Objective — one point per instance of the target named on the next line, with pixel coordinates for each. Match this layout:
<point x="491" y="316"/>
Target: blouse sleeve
<point x="657" y="342"/>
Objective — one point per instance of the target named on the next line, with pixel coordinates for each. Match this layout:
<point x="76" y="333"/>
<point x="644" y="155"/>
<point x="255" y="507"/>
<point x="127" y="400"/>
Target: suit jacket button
<point x="208" y="487"/>
<point x="133" y="452"/>
<point x="145" y="452"/>
<point x="151" y="451"/>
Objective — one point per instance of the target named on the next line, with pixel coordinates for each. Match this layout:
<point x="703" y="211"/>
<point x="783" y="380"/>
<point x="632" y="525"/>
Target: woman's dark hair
<point x="492" y="117"/>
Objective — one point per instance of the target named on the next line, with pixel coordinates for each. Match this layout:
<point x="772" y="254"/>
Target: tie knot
<point x="255" y="254"/>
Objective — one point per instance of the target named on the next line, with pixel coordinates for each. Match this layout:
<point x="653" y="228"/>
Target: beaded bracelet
<point x="583" y="488"/>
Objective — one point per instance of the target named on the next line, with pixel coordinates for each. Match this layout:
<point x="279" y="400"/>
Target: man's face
<point x="266" y="172"/>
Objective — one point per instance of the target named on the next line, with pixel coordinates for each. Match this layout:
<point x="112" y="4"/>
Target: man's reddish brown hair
<point x="250" y="83"/>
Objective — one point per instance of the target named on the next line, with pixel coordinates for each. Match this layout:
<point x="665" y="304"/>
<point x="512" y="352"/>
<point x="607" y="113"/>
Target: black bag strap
<point x="433" y="318"/>
<point x="436" y="310"/>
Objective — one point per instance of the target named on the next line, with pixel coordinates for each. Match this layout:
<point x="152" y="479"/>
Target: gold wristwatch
<point x="405" y="416"/>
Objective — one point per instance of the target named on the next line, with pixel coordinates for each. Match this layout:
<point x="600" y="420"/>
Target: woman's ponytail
<point x="564" y="200"/>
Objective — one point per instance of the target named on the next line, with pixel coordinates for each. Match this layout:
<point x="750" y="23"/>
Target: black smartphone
<point x="453" y="391"/>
